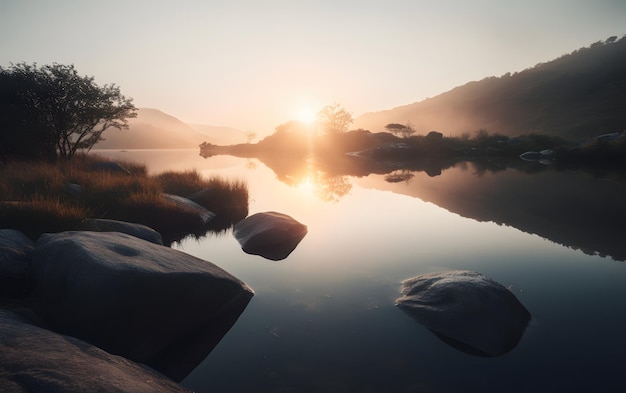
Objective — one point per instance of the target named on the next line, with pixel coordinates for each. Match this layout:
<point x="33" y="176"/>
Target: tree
<point x="333" y="119"/>
<point x="250" y="136"/>
<point x="400" y="130"/>
<point x="52" y="111"/>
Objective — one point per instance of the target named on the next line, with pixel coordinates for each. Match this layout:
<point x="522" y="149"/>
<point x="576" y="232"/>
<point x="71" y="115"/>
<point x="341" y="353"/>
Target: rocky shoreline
<point x="108" y="311"/>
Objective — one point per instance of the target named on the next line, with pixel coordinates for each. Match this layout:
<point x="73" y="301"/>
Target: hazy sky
<point x="257" y="64"/>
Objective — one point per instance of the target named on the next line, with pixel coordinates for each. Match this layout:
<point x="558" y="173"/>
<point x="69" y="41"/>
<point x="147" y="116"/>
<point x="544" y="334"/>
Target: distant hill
<point x="579" y="94"/>
<point x="154" y="129"/>
<point x="220" y="135"/>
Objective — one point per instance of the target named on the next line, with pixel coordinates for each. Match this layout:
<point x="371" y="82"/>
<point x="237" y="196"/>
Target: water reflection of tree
<point x="332" y="188"/>
<point x="251" y="164"/>
<point x="402" y="175"/>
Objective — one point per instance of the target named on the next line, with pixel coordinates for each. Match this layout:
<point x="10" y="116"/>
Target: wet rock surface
<point x="148" y="303"/>
<point x="271" y="235"/>
<point x="467" y="310"/>
<point x="133" y="229"/>
<point x="33" y="359"/>
<point x="15" y="253"/>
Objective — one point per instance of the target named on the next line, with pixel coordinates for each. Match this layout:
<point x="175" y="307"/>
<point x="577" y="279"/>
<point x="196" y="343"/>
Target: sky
<point x="257" y="64"/>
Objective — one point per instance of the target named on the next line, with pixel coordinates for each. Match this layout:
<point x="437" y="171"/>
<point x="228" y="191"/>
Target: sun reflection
<point x="307" y="185"/>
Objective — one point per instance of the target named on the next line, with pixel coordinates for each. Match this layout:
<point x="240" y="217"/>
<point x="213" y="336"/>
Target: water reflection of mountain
<point x="570" y="208"/>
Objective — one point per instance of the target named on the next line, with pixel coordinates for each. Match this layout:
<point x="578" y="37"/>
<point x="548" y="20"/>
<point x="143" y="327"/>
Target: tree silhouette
<point x="52" y="111"/>
<point x="400" y="130"/>
<point x="333" y="119"/>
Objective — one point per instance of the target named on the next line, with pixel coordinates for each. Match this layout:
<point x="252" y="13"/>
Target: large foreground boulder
<point x="38" y="360"/>
<point x="148" y="303"/>
<point x="467" y="310"/>
<point x="271" y="235"/>
<point x="15" y="252"/>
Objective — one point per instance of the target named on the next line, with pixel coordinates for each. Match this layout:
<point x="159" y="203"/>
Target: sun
<point x="306" y="115"/>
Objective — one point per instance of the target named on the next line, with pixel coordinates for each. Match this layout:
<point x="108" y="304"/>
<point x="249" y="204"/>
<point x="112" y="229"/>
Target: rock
<point x="271" y="235"/>
<point x="136" y="230"/>
<point x="467" y="310"/>
<point x="530" y="156"/>
<point x="230" y="206"/>
<point x="391" y="146"/>
<point x="434" y="135"/>
<point x="542" y="156"/>
<point x="110" y="166"/>
<point x="148" y="303"/>
<point x="33" y="359"/>
<point x="609" y="137"/>
<point x="203" y="213"/>
<point x="15" y="254"/>
<point x="73" y="190"/>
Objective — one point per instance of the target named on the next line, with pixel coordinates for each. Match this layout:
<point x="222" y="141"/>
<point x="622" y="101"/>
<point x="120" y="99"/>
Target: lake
<point x="324" y="319"/>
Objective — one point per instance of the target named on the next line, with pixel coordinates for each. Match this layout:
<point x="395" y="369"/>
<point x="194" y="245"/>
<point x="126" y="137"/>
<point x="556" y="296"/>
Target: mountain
<point x="154" y="129"/>
<point x="579" y="94"/>
<point x="218" y="135"/>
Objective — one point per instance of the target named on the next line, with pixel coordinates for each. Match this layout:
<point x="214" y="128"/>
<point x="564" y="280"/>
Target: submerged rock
<point x="38" y="360"/>
<point x="271" y="235"/>
<point x="148" y="303"/>
<point x="467" y="310"/>
<point x="15" y="252"/>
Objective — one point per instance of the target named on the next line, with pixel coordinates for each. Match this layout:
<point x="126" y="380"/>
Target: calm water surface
<point x="324" y="320"/>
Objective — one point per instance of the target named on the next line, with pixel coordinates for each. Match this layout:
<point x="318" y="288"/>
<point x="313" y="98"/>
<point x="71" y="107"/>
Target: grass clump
<point x="40" y="215"/>
<point x="228" y="199"/>
<point x="38" y="197"/>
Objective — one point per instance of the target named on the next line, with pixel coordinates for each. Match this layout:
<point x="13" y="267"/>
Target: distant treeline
<point x="432" y="152"/>
<point x="580" y="94"/>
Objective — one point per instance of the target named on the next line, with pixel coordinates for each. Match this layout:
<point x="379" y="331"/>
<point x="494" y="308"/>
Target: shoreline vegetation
<point x="360" y="152"/>
<point x="43" y="196"/>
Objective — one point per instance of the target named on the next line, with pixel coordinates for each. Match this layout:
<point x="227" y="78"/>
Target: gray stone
<point x="271" y="235"/>
<point x="110" y="166"/>
<point x="74" y="190"/>
<point x="33" y="359"/>
<point x="467" y="310"/>
<point x="136" y="230"/>
<point x="148" y="303"/>
<point x="434" y="135"/>
<point x="15" y="254"/>
<point x="203" y="213"/>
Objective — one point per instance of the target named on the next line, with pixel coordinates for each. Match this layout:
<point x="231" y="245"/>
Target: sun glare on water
<point x="307" y="185"/>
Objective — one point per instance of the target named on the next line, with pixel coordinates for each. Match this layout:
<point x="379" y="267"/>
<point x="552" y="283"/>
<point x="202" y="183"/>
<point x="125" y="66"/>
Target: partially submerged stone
<point x="15" y="252"/>
<point x="148" y="303"/>
<point x="271" y="235"/>
<point x="138" y="230"/>
<point x="467" y="310"/>
<point x="38" y="360"/>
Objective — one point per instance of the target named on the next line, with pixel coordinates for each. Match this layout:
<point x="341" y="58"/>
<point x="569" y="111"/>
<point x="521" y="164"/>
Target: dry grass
<point x="36" y="197"/>
<point x="40" y="215"/>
